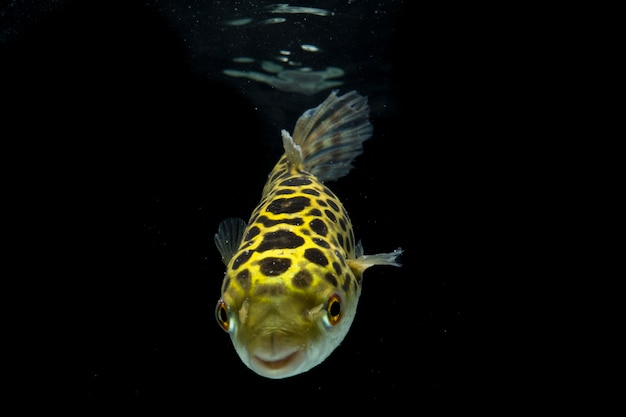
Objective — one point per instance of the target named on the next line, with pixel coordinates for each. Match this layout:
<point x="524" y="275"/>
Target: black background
<point x="126" y="161"/>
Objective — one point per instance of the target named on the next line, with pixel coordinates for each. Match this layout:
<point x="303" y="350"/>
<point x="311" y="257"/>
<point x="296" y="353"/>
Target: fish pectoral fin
<point x="362" y="262"/>
<point x="229" y="236"/>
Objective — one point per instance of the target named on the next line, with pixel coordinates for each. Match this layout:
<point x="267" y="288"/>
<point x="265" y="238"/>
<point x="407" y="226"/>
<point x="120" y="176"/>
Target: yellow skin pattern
<point x="282" y="315"/>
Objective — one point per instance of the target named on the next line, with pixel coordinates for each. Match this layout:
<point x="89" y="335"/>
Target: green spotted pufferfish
<point x="294" y="270"/>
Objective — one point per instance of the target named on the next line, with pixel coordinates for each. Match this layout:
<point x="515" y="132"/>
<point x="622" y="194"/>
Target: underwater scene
<point x="251" y="202"/>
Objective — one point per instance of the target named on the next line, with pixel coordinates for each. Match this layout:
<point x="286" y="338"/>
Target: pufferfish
<point x="294" y="271"/>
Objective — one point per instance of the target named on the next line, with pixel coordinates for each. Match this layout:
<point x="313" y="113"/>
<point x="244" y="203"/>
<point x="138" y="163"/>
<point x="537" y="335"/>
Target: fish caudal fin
<point x="327" y="138"/>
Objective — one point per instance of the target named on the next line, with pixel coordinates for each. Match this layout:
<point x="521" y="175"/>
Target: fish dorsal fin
<point x="293" y="152"/>
<point x="329" y="136"/>
<point x="229" y="236"/>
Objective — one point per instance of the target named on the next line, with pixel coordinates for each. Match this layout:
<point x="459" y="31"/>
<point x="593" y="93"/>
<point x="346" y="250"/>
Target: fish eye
<point x="333" y="309"/>
<point x="221" y="315"/>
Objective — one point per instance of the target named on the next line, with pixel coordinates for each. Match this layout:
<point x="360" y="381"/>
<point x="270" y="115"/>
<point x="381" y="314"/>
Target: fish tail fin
<point x="327" y="138"/>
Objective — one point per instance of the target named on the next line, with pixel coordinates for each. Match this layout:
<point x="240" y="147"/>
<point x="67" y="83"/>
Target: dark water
<point x="136" y="144"/>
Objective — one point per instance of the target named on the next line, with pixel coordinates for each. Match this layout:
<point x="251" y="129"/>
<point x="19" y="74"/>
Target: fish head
<point x="280" y="336"/>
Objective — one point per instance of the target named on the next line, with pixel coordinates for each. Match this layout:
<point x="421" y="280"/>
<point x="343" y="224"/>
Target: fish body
<point x="294" y="270"/>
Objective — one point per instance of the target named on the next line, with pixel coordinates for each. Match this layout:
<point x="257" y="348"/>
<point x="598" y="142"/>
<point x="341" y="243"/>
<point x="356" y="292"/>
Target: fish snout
<point x="276" y="355"/>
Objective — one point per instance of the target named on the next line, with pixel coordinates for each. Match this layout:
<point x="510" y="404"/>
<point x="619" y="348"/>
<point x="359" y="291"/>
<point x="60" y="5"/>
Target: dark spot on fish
<point x="253" y="215"/>
<point x="314" y="212"/>
<point x="242" y="259"/>
<point x="321" y="242"/>
<point x="267" y="222"/>
<point x="321" y="203"/>
<point x="305" y="232"/>
<point x="302" y="279"/>
<point x="330" y="215"/>
<point x="340" y="240"/>
<point x="337" y="268"/>
<point x="243" y="278"/>
<point x="252" y="233"/>
<point x="342" y="223"/>
<point x="286" y="174"/>
<point x="280" y="239"/>
<point x="276" y="175"/>
<point x="226" y="284"/>
<point x="271" y="289"/>
<point x="288" y="205"/>
<point x="331" y="278"/>
<point x="332" y="204"/>
<point x="340" y="257"/>
<point x="327" y="191"/>
<point x="346" y="282"/>
<point x="316" y="256"/>
<point x="285" y="191"/>
<point x="319" y="227"/>
<point x="296" y="182"/>
<point x="274" y="266"/>
<point x="311" y="191"/>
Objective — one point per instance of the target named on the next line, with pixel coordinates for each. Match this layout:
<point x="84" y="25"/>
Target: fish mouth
<point x="277" y="366"/>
